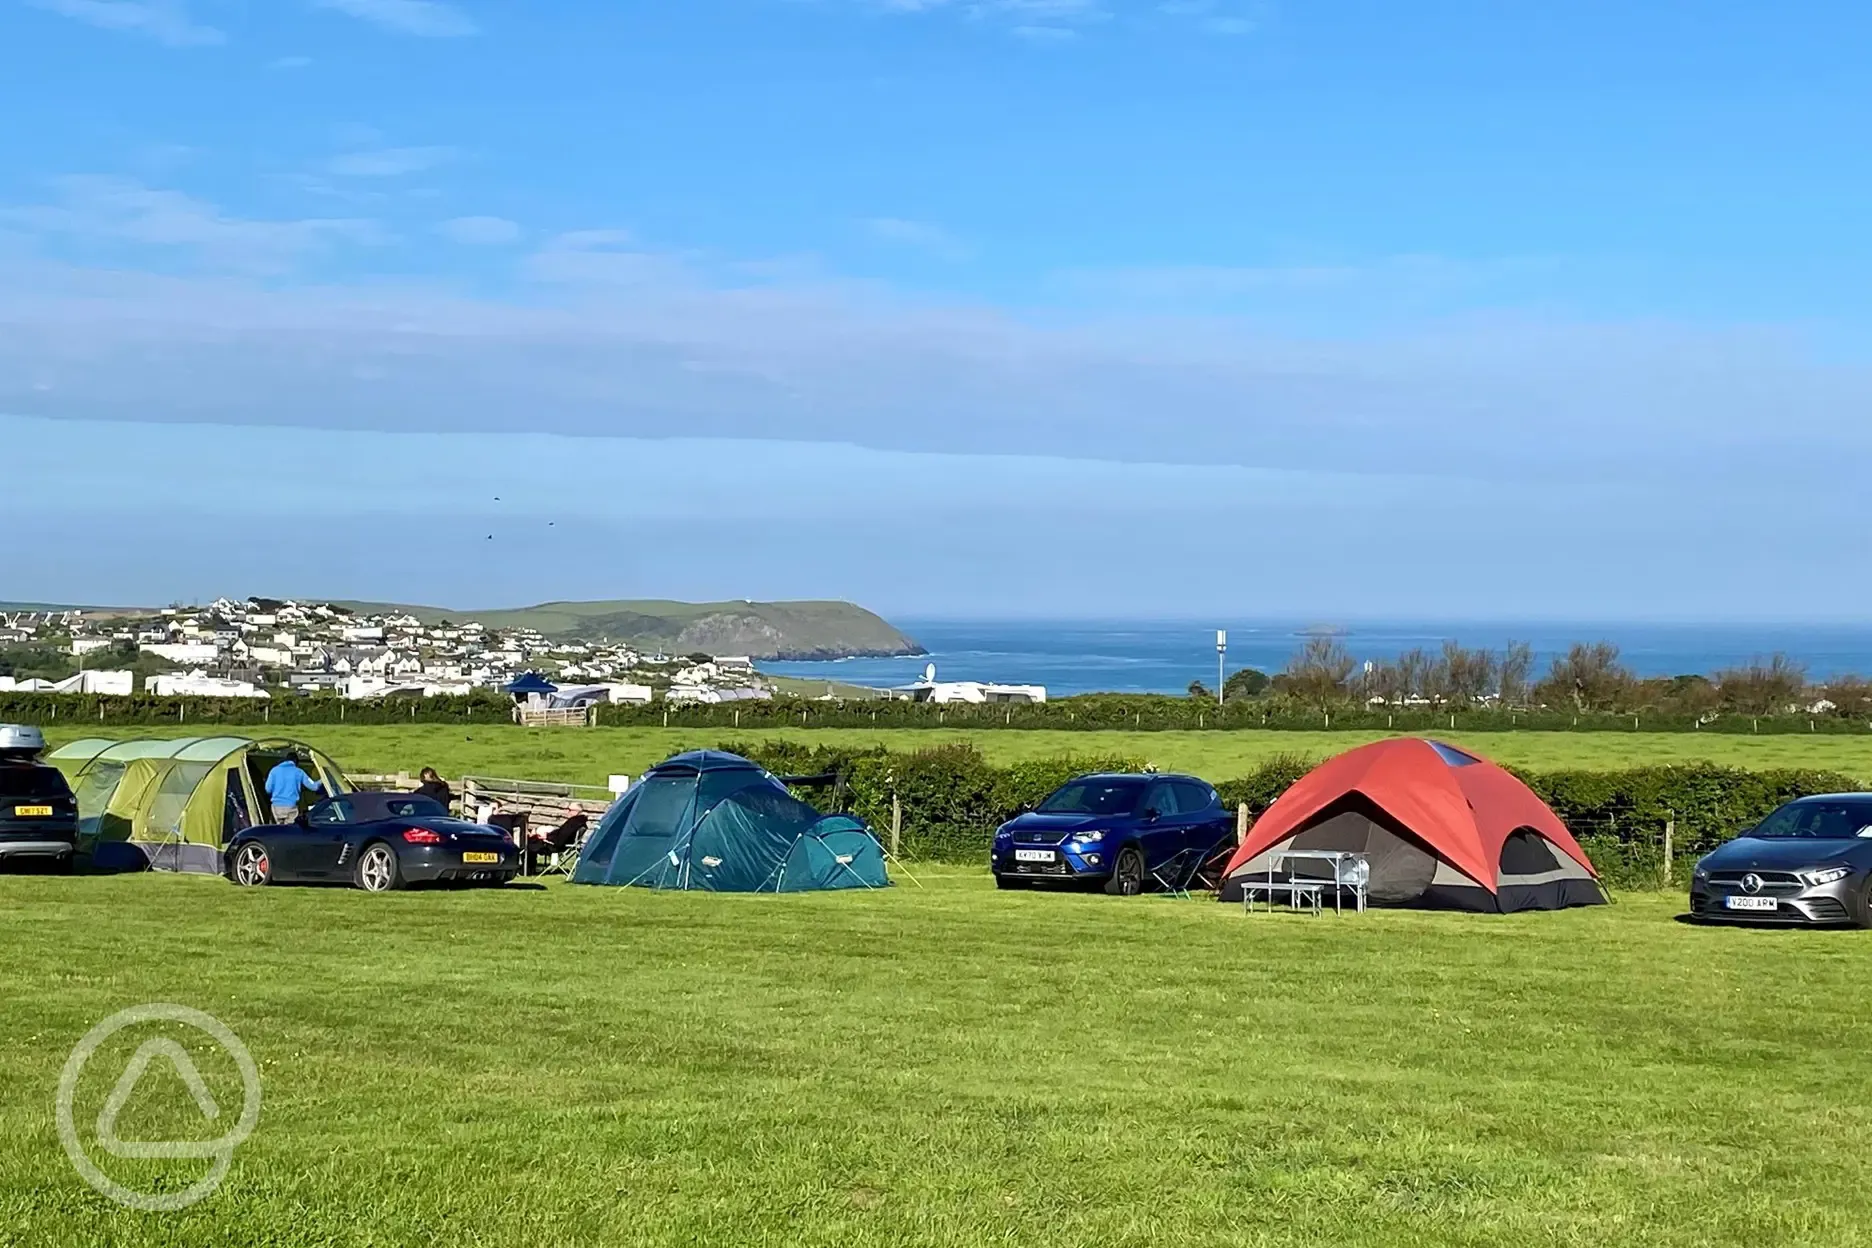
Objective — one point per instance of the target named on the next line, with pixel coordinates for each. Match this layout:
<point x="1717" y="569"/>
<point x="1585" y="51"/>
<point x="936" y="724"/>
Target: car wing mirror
<point x="1150" y="813"/>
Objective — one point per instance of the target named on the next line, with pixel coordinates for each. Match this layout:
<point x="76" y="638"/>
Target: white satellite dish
<point x="929" y="673"/>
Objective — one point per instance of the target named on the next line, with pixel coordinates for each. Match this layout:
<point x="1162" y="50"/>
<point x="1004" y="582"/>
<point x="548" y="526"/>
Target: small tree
<point x="1590" y="678"/>
<point x="1469" y="675"/>
<point x="1517" y="665"/>
<point x="1762" y="688"/>
<point x="1317" y="674"/>
<point x="1851" y="696"/>
<point x="1200" y="691"/>
<point x="1244" y="684"/>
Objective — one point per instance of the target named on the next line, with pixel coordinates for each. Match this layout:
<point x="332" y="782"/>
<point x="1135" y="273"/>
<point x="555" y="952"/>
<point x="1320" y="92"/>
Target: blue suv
<point x="1122" y="831"/>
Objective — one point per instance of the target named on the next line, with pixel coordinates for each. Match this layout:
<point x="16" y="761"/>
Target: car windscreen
<point x="1093" y="797"/>
<point x="1833" y="819"/>
<point x="32" y="782"/>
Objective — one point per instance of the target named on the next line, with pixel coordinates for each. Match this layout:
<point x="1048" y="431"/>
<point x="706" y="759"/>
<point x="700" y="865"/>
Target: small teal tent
<point x="717" y="822"/>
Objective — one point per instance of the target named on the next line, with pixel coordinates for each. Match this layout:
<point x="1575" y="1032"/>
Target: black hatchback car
<point x="38" y="816"/>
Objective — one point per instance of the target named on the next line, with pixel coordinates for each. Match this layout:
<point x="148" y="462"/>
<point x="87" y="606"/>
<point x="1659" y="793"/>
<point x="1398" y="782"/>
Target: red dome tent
<point x="1440" y="828"/>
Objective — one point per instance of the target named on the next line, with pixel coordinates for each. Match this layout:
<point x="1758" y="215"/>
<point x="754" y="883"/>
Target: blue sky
<point x="954" y="307"/>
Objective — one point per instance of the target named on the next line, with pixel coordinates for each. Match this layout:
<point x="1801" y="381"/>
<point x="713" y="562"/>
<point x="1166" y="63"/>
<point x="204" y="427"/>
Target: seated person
<point x="435" y="788"/>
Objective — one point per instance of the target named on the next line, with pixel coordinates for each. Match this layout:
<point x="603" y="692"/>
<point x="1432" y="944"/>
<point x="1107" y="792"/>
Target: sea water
<point x="1080" y="656"/>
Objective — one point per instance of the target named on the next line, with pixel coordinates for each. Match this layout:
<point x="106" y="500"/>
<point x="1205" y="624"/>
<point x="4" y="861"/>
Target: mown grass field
<point x="588" y="756"/>
<point x="945" y="1065"/>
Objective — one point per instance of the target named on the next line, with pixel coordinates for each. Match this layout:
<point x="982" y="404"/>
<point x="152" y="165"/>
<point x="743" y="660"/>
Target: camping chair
<point x="1190" y="869"/>
<point x="559" y="847"/>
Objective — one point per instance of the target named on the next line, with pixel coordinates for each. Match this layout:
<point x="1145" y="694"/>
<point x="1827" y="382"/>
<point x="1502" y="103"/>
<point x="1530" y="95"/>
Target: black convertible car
<point x="377" y="841"/>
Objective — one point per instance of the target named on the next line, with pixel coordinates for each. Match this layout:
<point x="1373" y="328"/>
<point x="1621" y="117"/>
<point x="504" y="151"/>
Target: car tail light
<point x="422" y="836"/>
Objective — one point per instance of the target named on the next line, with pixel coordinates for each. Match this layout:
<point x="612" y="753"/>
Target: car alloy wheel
<point x="377" y="869"/>
<point x="1128" y="875"/>
<point x="251" y="866"/>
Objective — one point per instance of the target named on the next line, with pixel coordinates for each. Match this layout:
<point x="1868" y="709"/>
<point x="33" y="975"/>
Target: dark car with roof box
<point x="38" y="815"/>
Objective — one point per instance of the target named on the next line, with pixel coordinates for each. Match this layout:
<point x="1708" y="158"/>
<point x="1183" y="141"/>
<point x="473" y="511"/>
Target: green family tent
<point x="717" y="822"/>
<point x="172" y="804"/>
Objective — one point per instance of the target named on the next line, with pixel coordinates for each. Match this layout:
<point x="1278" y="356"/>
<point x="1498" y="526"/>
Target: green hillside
<point x="763" y="630"/>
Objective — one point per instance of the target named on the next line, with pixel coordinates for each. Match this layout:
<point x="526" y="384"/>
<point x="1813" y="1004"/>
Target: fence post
<point x="1241" y="824"/>
<point x="1670" y="832"/>
<point x="896" y="823"/>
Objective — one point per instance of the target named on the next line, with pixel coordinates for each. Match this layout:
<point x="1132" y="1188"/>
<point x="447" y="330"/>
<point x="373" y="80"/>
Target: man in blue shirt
<point x="284" y="784"/>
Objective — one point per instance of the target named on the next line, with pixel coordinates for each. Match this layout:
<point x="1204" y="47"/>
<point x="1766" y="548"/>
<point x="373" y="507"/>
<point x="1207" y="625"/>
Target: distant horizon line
<point x="1205" y="621"/>
<point x="1302" y="622"/>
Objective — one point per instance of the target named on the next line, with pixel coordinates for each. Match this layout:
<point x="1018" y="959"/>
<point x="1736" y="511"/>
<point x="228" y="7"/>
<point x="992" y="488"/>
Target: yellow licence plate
<point x="471" y="857"/>
<point x="27" y="812"/>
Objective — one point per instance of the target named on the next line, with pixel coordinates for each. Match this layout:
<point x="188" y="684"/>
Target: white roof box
<point x="21" y="737"/>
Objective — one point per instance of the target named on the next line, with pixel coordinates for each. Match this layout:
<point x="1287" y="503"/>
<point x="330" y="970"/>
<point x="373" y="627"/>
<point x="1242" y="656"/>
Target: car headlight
<point x="1826" y="875"/>
<point x="1090" y="838"/>
<point x="1002" y="834"/>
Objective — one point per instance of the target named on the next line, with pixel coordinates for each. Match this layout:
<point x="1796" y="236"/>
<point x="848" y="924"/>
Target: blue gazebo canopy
<point x="532" y="682"/>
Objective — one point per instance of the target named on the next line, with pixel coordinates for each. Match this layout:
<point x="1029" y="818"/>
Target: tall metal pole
<point x="1221" y="656"/>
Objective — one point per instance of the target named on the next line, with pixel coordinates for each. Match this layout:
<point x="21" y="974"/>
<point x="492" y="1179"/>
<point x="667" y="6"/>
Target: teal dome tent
<point x="717" y="822"/>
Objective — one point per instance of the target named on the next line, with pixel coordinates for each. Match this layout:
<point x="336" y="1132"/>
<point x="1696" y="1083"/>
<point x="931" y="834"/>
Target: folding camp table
<point x="1349" y="871"/>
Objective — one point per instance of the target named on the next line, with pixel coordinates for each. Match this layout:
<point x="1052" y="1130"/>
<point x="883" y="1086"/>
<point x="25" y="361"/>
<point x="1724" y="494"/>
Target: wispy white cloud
<point x="430" y="19"/>
<point x="1219" y="17"/>
<point x="93" y="210"/>
<point x="922" y="234"/>
<point x="479" y="231"/>
<point x="1060" y="21"/>
<point x="289" y="62"/>
<point x="1035" y="20"/>
<point x="1045" y="34"/>
<point x="609" y="258"/>
<point x="621" y="337"/>
<point x="389" y="162"/>
<point x="1201" y="284"/>
<point x="165" y="21"/>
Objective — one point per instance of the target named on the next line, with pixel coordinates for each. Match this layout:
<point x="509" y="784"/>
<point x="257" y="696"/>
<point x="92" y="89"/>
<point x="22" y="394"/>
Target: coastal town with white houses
<point x="263" y="648"/>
